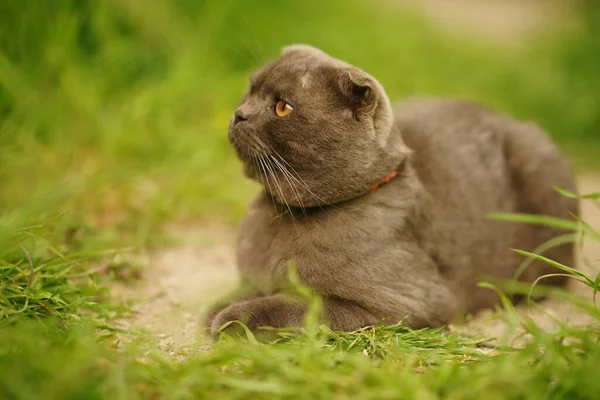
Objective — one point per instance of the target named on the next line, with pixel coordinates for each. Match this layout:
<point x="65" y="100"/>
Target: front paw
<point x="232" y="314"/>
<point x="242" y="294"/>
<point x="270" y="311"/>
<point x="208" y="317"/>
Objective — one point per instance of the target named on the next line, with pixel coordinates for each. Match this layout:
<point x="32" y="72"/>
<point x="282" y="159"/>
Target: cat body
<point x="411" y="250"/>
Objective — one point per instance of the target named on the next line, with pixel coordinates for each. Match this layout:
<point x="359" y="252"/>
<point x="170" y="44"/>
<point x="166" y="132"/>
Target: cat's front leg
<point x="281" y="311"/>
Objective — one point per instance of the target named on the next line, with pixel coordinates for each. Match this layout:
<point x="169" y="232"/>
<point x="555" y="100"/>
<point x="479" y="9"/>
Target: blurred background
<point x="113" y="113"/>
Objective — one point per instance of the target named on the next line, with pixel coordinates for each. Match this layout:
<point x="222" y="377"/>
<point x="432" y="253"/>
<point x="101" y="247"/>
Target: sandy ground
<point x="181" y="281"/>
<point x="178" y="284"/>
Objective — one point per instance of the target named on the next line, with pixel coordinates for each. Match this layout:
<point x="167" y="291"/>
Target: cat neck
<point x="287" y="209"/>
<point x="335" y="182"/>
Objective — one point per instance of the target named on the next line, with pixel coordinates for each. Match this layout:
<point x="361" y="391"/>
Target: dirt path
<point x="182" y="280"/>
<point x="178" y="283"/>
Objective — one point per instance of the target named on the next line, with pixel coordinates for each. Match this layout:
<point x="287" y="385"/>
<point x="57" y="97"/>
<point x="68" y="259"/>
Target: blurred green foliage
<point x="130" y="99"/>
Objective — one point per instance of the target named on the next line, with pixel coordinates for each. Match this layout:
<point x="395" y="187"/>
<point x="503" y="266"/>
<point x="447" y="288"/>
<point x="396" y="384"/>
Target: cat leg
<point x="397" y="283"/>
<point x="414" y="294"/>
<point x="281" y="311"/>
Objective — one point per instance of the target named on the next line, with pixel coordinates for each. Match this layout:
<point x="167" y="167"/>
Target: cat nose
<point x="239" y="116"/>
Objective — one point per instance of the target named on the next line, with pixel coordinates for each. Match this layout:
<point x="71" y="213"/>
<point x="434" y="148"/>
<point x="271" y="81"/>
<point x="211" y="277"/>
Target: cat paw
<point x="232" y="315"/>
<point x="271" y="311"/>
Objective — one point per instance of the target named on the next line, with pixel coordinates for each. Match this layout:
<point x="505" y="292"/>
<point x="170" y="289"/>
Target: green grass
<point x="45" y="271"/>
<point x="382" y="362"/>
<point x="113" y="121"/>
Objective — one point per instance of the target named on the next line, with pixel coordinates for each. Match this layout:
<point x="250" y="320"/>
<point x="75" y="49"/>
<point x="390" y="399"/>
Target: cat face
<point x="312" y="128"/>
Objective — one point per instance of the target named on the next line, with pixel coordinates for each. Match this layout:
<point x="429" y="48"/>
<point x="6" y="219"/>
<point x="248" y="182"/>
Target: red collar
<point x="385" y="180"/>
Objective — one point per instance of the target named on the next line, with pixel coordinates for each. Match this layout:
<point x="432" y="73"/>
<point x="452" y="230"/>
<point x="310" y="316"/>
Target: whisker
<point x="290" y="171"/>
<point x="261" y="170"/>
<point x="302" y="181"/>
<point x="287" y="175"/>
<point x="272" y="174"/>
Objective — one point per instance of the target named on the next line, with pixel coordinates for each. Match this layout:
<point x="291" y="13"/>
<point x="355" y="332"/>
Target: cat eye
<point x="283" y="108"/>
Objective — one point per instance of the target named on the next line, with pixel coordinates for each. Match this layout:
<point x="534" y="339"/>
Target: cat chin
<point x="243" y="152"/>
<point x="250" y="172"/>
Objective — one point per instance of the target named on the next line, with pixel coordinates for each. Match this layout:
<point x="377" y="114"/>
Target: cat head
<point x="313" y="129"/>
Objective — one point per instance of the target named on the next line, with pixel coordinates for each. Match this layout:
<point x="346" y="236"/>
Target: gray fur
<point x="412" y="250"/>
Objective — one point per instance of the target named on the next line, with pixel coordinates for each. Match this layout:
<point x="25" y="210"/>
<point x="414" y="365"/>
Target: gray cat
<point x="382" y="212"/>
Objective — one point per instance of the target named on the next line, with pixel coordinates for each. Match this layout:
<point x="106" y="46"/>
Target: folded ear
<point x="302" y="49"/>
<point x="359" y="90"/>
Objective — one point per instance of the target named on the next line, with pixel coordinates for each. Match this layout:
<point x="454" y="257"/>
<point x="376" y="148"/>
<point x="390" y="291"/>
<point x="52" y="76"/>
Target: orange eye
<point x="252" y="93"/>
<point x="282" y="108"/>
